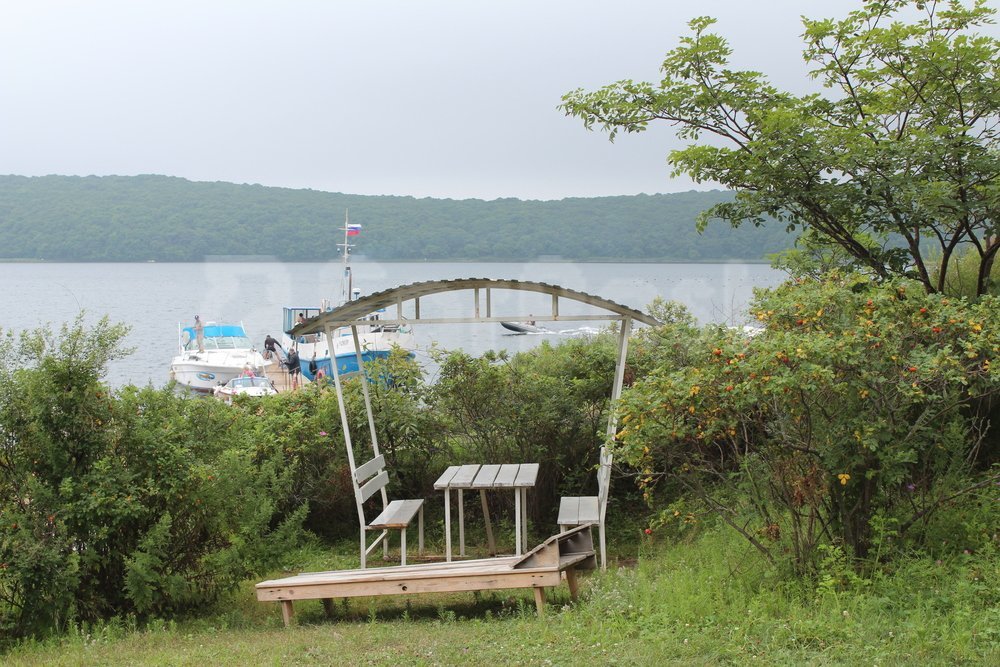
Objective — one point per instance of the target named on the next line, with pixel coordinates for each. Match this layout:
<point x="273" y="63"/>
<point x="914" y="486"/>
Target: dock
<point x="281" y="379"/>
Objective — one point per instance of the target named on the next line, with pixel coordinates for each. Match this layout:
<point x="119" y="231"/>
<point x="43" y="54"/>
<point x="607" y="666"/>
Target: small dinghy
<point x="523" y="327"/>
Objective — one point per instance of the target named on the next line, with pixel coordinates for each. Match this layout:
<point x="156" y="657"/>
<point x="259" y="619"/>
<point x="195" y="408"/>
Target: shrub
<point x="140" y="503"/>
<point x="857" y="402"/>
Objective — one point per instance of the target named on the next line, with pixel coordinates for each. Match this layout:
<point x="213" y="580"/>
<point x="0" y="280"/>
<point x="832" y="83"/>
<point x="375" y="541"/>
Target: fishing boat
<point x="228" y="353"/>
<point x="377" y="339"/>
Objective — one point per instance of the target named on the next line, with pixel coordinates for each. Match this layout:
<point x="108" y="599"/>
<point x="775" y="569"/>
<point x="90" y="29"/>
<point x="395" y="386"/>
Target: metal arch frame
<point x="354" y="313"/>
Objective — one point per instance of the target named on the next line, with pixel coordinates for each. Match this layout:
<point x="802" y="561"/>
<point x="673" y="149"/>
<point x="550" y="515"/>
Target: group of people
<point x="271" y="346"/>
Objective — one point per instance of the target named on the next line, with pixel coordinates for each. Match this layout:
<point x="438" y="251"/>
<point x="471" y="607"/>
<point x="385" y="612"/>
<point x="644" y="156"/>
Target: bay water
<point x="155" y="299"/>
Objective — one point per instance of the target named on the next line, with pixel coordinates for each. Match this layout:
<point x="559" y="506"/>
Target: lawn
<point x="705" y="600"/>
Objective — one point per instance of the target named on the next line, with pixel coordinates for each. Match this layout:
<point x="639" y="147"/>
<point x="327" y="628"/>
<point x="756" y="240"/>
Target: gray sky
<point x="429" y="98"/>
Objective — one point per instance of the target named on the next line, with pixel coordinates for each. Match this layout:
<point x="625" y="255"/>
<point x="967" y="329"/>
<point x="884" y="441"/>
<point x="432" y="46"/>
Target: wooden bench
<point x="586" y="510"/>
<point x="371" y="478"/>
<point x="540" y="568"/>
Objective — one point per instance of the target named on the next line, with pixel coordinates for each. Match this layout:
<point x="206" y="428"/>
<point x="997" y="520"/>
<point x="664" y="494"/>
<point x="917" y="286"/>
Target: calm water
<point x="155" y="298"/>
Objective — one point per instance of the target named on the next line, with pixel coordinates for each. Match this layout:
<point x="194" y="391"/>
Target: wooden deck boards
<point x="539" y="569"/>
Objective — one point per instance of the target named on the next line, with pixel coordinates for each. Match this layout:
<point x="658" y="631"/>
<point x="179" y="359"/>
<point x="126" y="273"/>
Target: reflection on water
<point x="157" y="299"/>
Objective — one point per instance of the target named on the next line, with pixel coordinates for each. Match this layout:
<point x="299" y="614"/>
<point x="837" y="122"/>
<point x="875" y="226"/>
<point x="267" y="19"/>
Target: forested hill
<point x="140" y="218"/>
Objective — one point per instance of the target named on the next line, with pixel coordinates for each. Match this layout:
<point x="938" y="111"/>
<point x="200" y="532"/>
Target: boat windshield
<point x="222" y="343"/>
<point x="248" y="382"/>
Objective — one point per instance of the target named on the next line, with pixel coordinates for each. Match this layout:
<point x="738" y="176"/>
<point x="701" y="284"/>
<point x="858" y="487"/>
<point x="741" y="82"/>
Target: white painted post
<point x="447" y="524"/>
<point x="461" y="523"/>
<point x="517" y="521"/>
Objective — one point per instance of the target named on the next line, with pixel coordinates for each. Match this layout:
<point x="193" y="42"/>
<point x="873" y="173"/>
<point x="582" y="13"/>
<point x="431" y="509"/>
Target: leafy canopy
<point x="896" y="158"/>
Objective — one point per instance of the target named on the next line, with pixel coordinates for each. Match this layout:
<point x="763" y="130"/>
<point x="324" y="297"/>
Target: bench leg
<point x="420" y="529"/>
<point x="287" y="612"/>
<point x="540" y="600"/>
<point x="517" y="522"/>
<point x="402" y="546"/>
<point x="604" y="556"/>
<point x="328" y="607"/>
<point x="489" y="524"/>
<point x="461" y="523"/>
<point x="447" y="524"/>
<point x="364" y="548"/>
<point x="524" y="518"/>
<point x="572" y="583"/>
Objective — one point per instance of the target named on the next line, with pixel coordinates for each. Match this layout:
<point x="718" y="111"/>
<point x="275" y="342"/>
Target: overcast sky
<point x="429" y="98"/>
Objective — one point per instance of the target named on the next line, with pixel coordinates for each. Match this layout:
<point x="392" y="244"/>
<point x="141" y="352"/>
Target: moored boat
<point x="377" y="340"/>
<point x="227" y="352"/>
<point x="245" y="385"/>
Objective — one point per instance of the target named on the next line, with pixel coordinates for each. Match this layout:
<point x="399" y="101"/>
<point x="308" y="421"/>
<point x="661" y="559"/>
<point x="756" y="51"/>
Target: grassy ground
<point x="711" y="601"/>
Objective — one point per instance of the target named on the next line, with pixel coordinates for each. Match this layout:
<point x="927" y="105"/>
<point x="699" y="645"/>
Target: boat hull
<point x="374" y="345"/>
<point x="521" y="327"/>
<point x="203" y="372"/>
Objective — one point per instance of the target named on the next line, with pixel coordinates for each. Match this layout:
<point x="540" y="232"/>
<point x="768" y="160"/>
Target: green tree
<point x="902" y="145"/>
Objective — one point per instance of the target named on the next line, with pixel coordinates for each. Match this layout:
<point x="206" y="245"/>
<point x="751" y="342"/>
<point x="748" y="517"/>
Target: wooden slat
<point x="397" y="514"/>
<point x="463" y="478"/>
<point x="485" y="477"/>
<point x="589" y="510"/>
<point x="527" y="473"/>
<point x="566" y="560"/>
<point x="445" y="478"/>
<point x="578" y="510"/>
<point x="415" y="568"/>
<point x="569" y="512"/>
<point x="368" y="469"/>
<point x="386" y="573"/>
<point x="507" y="475"/>
<point x="376" y="483"/>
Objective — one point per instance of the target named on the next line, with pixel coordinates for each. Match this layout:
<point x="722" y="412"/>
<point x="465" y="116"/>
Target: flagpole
<point x="347" y="254"/>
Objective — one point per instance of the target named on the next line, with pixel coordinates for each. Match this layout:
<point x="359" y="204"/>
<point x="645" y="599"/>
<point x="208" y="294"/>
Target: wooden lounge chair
<point x="540" y="568"/>
<point x="586" y="510"/>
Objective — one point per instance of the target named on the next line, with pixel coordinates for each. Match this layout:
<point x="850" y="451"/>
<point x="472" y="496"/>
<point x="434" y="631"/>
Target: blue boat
<point x="377" y="339"/>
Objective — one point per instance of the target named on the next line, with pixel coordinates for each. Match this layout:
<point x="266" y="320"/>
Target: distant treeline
<point x="141" y="218"/>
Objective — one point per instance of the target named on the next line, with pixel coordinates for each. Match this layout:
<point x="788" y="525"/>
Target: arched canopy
<point x="406" y="299"/>
<point x="406" y="302"/>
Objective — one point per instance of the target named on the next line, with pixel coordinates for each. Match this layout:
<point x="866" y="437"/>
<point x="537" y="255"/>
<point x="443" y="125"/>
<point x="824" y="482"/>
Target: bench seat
<point x="397" y="514"/>
<point x="579" y="510"/>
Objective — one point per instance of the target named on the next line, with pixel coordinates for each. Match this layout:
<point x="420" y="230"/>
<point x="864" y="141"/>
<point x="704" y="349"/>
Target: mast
<point x="347" y="280"/>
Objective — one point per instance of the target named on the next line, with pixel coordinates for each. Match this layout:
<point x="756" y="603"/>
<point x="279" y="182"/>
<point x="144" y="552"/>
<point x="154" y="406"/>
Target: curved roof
<point x="355" y="311"/>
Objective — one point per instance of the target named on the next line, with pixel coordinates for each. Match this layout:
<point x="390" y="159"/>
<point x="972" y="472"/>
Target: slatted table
<point x="516" y="476"/>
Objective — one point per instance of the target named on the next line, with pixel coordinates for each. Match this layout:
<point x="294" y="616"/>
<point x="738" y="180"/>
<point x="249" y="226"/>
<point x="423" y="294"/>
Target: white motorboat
<point x="523" y="327"/>
<point x="227" y="353"/>
<point x="377" y="340"/>
<point x="245" y="385"/>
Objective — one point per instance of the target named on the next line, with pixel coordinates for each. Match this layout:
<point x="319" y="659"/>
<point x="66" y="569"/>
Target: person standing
<point x="270" y="347"/>
<point x="293" y="367"/>
<point x="199" y="333"/>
